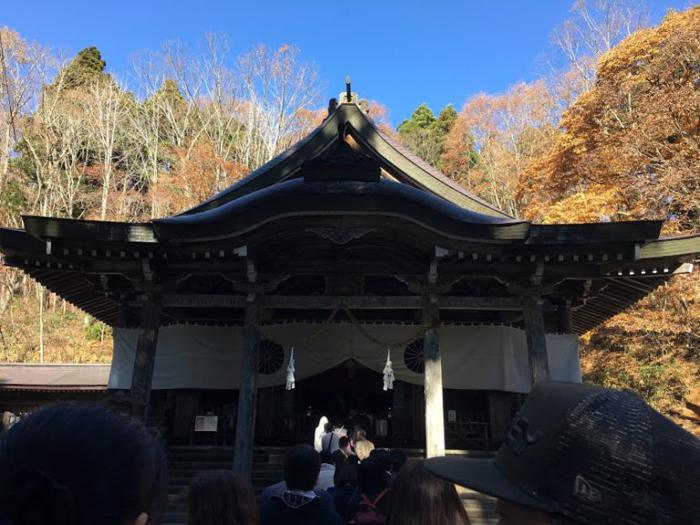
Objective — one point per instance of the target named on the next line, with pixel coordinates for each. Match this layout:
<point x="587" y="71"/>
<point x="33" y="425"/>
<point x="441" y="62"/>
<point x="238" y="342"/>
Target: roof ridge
<point x="432" y="170"/>
<point x="388" y="151"/>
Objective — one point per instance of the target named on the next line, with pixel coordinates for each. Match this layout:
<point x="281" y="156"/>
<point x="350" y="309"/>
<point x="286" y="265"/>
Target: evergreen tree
<point x="170" y="91"/>
<point x="446" y="119"/>
<point x="425" y="134"/>
<point x="85" y="68"/>
<point x="421" y="120"/>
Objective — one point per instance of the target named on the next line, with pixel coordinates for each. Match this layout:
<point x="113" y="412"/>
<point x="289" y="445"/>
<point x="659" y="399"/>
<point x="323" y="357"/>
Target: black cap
<point x="591" y="454"/>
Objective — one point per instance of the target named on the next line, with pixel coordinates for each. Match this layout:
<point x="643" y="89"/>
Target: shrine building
<point x="345" y="251"/>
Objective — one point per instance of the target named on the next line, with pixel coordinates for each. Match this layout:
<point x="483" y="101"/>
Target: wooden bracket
<point x="256" y="285"/>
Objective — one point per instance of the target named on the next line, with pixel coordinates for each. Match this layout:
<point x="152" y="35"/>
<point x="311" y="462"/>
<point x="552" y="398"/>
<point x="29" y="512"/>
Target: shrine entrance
<point x="349" y="394"/>
<point x="352" y="395"/>
<point x="346" y="390"/>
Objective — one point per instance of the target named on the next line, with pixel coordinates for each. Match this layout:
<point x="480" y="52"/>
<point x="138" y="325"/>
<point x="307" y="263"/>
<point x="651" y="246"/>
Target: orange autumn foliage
<point x="629" y="148"/>
<point x="193" y="177"/>
<point x="495" y="137"/>
<point x="635" y="133"/>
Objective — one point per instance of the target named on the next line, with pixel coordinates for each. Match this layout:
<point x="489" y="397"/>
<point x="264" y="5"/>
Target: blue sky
<point x="401" y="53"/>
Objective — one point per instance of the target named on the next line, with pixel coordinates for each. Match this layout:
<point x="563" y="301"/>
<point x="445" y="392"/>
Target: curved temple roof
<point x="349" y="119"/>
<point x="298" y="197"/>
<point x="393" y="212"/>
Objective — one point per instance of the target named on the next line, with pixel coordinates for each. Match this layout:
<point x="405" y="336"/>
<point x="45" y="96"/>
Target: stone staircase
<point x="185" y="462"/>
<point x="480" y="508"/>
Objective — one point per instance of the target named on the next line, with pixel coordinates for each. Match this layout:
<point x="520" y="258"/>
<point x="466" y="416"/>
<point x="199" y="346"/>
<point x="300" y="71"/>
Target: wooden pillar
<point x="247" y="394"/>
<point x="434" y="412"/>
<point x="536" y="339"/>
<point x="500" y="415"/>
<point x="145" y="358"/>
<point x="398" y="411"/>
<point x="565" y="317"/>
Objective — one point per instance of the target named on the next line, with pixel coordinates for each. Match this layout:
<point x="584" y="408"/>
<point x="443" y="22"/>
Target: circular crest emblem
<point x="413" y="356"/>
<point x="271" y="357"/>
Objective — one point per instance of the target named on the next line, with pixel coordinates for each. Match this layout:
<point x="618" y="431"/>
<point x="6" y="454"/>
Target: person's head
<point x="383" y="456"/>
<point x="345" y="475"/>
<point x="363" y="449"/>
<point x="344" y="443"/>
<point x="80" y="463"/>
<point x="586" y="454"/>
<point x="220" y="497"/>
<point x="398" y="458"/>
<point x="371" y="477"/>
<point x="301" y="468"/>
<point x="421" y="498"/>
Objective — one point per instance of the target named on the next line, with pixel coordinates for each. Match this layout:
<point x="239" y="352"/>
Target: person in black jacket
<point x="299" y="504"/>
<point x="370" y="501"/>
<point x="345" y="480"/>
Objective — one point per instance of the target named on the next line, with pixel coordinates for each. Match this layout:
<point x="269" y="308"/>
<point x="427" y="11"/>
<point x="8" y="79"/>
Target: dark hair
<point x="301" y="467"/>
<point x="398" y="458"/>
<point x="383" y="456"/>
<point x="372" y="477"/>
<point x="345" y="474"/>
<point x="421" y="498"/>
<point x="220" y="497"/>
<point x="344" y="441"/>
<point x="75" y="463"/>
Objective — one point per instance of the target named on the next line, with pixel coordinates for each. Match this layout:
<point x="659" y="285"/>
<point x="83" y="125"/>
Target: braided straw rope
<point x="356" y="324"/>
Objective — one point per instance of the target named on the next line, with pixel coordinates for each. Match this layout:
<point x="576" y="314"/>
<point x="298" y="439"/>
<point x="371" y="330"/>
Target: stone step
<point x="185" y="462"/>
<point x="480" y="513"/>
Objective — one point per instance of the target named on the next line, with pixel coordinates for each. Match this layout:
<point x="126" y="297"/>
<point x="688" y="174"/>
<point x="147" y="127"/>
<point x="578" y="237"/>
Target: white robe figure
<point x="291" y="383"/>
<point x="318" y="433"/>
<point x="388" y="373"/>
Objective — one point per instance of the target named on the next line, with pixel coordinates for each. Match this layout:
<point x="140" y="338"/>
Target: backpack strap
<point x="330" y="442"/>
<point x="379" y="497"/>
<point x="366" y="501"/>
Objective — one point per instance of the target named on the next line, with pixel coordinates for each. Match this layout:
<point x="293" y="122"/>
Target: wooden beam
<point x="565" y="317"/>
<point x="248" y="391"/>
<point x="434" y="411"/>
<point x="295" y="302"/>
<point x="144" y="360"/>
<point x="536" y="338"/>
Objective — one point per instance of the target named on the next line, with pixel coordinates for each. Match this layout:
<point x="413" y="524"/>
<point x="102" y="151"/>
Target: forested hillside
<point x="76" y="142"/>
<point x="613" y="136"/>
<point x="611" y="131"/>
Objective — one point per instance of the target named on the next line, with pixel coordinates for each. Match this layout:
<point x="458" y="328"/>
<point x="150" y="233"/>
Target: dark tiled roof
<point x="30" y="376"/>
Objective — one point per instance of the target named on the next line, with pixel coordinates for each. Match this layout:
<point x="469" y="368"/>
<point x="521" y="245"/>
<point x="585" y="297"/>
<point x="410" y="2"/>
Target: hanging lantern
<point x="290" y="371"/>
<point x="388" y="373"/>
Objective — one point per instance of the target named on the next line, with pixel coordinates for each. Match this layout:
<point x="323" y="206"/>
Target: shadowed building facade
<point x="348" y="249"/>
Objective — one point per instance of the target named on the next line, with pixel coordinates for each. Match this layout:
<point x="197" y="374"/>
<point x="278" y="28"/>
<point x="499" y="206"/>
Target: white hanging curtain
<point x="473" y="357"/>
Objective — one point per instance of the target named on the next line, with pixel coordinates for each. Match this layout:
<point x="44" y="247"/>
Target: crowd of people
<point x="575" y="454"/>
